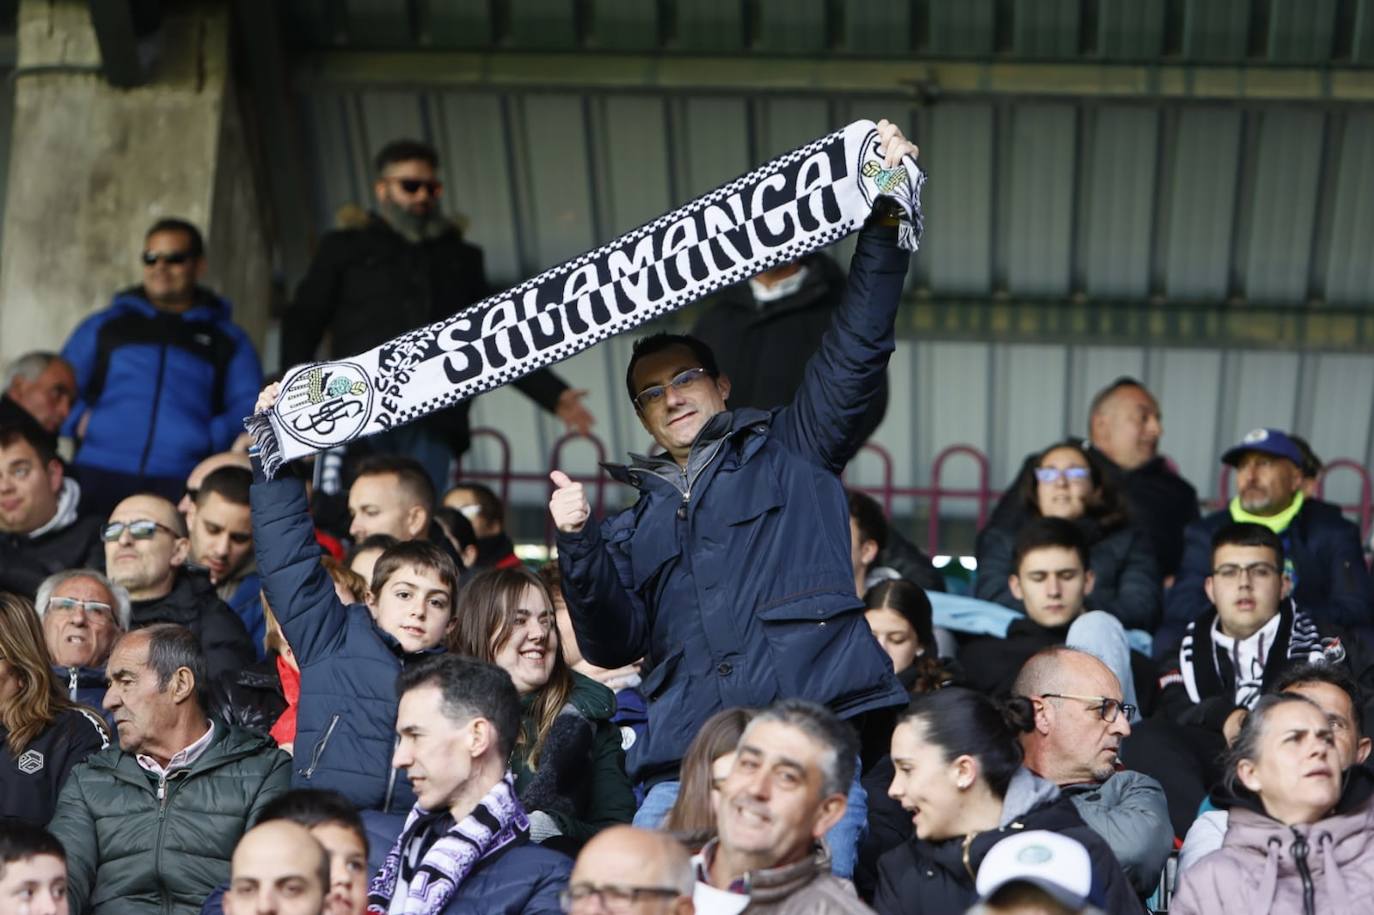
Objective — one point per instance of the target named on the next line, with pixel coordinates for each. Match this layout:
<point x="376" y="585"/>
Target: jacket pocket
<point x="821" y="647"/>
<point x="318" y="752"/>
<point x="654" y="684"/>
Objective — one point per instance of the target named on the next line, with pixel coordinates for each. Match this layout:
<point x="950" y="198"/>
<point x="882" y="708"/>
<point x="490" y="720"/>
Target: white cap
<point x="1056" y="864"/>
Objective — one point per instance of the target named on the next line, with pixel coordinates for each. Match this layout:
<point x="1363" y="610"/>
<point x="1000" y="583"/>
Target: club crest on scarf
<point x="801" y="201"/>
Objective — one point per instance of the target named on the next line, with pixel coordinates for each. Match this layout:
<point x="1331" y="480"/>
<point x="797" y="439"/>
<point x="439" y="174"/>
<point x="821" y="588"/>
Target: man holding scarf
<point x="465" y="846"/>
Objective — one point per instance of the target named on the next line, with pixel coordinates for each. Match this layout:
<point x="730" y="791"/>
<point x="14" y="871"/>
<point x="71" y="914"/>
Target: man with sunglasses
<point x="1081" y="722"/>
<point x="732" y="575"/>
<point x="164" y="376"/>
<point x="146" y="550"/>
<point x="406" y="266"/>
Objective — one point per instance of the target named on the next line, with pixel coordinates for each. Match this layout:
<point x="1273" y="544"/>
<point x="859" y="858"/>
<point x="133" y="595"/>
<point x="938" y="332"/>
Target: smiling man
<point x="1324" y="561"/>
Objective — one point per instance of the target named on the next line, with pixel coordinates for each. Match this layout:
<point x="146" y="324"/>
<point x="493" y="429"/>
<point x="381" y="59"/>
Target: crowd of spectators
<point x="747" y="692"/>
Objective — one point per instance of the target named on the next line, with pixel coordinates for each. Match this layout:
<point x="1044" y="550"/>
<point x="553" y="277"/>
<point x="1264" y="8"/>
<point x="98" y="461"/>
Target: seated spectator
<point x="458" y="531"/>
<point x="1331" y="687"/>
<point x="1035" y="873"/>
<point x="278" y="868"/>
<point x="710" y="757"/>
<point x="146" y="548"/>
<point x="1250" y="635"/>
<point x="40" y="532"/>
<point x="222" y="544"/>
<point x="1322" y="553"/>
<point x="1049" y="576"/>
<point x="149" y="825"/>
<point x="788" y="786"/>
<point x="390" y="495"/>
<point x="83" y="613"/>
<point x="1291" y="844"/>
<point x="878" y="552"/>
<point x="957" y="756"/>
<point x="164" y="376"/>
<point x="1066" y="484"/>
<point x="899" y="614"/>
<point x="631" y="871"/>
<point x="43" y="734"/>
<point x="187" y="505"/>
<point x="568" y="764"/>
<point x="1075" y="741"/>
<point x="467" y="834"/>
<point x="364" y="557"/>
<point x="39" y="390"/>
<point x="481" y="506"/>
<point x="33" y="870"/>
<point x="349" y="655"/>
<point x="1310" y="468"/>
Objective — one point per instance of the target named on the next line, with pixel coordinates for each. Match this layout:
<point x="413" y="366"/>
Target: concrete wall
<point x="91" y="167"/>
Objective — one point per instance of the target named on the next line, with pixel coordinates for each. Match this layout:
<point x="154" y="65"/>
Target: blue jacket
<point x="1322" y="552"/>
<point x="163" y="390"/>
<point x="346" y="720"/>
<point x="734" y="580"/>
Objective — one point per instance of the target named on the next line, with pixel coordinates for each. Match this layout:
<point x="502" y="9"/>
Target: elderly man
<point x="146" y="548"/>
<point x="222" y="544"/>
<point x="456" y="725"/>
<point x="40" y="532"/>
<point x="278" y="868"/>
<point x="630" y="870"/>
<point x="1079" y="727"/>
<point x="83" y="614"/>
<point x="1324" y="558"/>
<point x="39" y="389"/>
<point x="150" y="825"/>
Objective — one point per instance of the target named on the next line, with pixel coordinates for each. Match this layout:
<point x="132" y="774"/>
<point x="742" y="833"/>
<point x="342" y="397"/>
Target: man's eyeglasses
<point x="1107" y="708"/>
<point x="413" y="185"/>
<point x="1055" y="474"/>
<point x="139" y="530"/>
<point x="71" y="605"/>
<point x="1255" y="571"/>
<point x="655" y="392"/>
<point x="612" y="898"/>
<point x="175" y="258"/>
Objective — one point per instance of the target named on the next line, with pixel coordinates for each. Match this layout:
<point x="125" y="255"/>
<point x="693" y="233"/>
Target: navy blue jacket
<point x="158" y="404"/>
<point x="346" y="720"/>
<point x="1321" y="550"/>
<point x="742" y="592"/>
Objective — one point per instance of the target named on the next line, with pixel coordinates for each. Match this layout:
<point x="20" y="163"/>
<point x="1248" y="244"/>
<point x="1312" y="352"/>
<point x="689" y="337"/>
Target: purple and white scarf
<point x="429" y="862"/>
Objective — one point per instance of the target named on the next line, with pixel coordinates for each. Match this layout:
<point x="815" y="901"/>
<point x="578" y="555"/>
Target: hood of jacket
<point x="1333" y="842"/>
<point x="1025" y="793"/>
<point x="207" y="305"/>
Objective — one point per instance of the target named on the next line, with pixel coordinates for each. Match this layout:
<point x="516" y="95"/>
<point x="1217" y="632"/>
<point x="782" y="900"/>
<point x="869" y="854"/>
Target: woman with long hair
<point x="568" y="763"/>
<point x="44" y="733"/>
<point x="1299" y="835"/>
<point x="706" y="764"/>
<point x="1064" y="481"/>
<point x="899" y="614"/>
<point x="957" y="755"/>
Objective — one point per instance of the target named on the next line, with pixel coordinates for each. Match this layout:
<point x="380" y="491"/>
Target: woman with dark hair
<point x="1298" y="840"/>
<point x="957" y="756"/>
<point x="899" y="614"/>
<point x="43" y="734"/>
<point x="1064" y="481"/>
<point x="568" y="764"/>
<point x="709" y="758"/>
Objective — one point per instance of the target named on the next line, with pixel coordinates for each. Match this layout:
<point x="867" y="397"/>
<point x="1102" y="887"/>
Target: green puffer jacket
<point x="138" y="845"/>
<point x="581" y="782"/>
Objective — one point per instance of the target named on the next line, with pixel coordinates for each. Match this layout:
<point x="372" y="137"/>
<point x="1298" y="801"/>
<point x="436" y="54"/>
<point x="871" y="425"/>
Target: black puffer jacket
<point x="25" y="561"/>
<point x="193" y="603"/>
<point x="251" y="698"/>
<point x="128" y="850"/>
<point x="30" y="782"/>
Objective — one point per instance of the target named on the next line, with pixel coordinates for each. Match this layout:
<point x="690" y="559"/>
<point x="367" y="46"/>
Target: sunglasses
<point x="139" y="530"/>
<point x="413" y="186"/>
<point x="175" y="258"/>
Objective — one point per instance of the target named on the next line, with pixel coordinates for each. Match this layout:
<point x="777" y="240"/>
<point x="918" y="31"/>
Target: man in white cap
<point x="1036" y="873"/>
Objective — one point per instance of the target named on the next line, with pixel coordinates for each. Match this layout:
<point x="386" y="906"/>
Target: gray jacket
<point x="1131" y="815"/>
<point x="803" y="888"/>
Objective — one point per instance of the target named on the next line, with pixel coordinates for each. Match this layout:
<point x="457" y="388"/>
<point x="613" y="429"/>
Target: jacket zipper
<point x="1299" y="851"/>
<point x="319" y="747"/>
<point x="152" y="417"/>
<point x="71" y="683"/>
<point x="687" y="492"/>
<point x="163" y="792"/>
<point x="390" y="782"/>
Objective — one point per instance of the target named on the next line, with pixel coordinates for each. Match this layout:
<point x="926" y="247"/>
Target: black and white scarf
<point x="434" y="854"/>
<point x="1208" y="668"/>
<point x="801" y="201"/>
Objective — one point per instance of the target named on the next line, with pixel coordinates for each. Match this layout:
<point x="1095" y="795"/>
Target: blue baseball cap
<point x="1265" y="441"/>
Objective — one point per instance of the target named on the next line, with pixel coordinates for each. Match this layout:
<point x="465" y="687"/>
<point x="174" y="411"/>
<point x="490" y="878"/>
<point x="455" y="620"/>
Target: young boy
<point x="349" y="655"/>
<point x="33" y="870"/>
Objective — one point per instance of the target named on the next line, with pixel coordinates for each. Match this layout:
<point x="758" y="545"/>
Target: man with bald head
<point x="146" y="547"/>
<point x="1080" y="722"/>
<point x="636" y="871"/>
<point x="278" y="868"/>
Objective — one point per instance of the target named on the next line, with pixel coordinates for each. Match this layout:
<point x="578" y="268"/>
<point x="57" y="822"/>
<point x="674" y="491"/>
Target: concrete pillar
<point x="92" y="166"/>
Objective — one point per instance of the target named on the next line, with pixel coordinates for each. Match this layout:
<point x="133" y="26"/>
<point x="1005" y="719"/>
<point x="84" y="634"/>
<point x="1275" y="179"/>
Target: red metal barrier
<point x="885" y="491"/>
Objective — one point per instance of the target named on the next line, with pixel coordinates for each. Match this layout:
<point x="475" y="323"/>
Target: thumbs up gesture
<point x="568" y="505"/>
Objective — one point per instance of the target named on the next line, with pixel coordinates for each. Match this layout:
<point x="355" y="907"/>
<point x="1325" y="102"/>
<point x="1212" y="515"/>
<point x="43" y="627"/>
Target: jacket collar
<point x="772" y="884"/>
<point x="207" y="305"/>
<point x="746" y="425"/>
